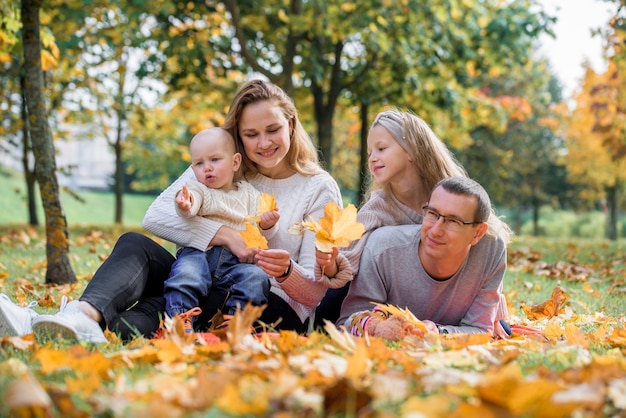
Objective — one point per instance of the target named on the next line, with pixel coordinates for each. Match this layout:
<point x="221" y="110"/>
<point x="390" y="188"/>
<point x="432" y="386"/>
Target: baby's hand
<point x="184" y="199"/>
<point x="269" y="219"/>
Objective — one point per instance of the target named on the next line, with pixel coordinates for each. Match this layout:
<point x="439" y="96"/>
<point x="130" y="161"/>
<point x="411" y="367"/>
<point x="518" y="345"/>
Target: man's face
<point x="448" y="236"/>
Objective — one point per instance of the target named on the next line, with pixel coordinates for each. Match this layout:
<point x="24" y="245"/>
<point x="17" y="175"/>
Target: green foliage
<point x="567" y="224"/>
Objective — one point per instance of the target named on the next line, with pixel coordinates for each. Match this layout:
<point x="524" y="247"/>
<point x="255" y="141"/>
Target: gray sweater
<point x="391" y="273"/>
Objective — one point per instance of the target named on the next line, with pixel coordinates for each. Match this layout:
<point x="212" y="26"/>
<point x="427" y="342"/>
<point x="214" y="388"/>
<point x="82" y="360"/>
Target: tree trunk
<point x="611" y="201"/>
<point x="363" y="165"/>
<point x="58" y="269"/>
<point x="535" y="209"/>
<point x="29" y="174"/>
<point x="119" y="182"/>
<point x="119" y="166"/>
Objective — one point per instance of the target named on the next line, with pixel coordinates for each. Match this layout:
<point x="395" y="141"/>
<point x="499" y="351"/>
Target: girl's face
<point x="388" y="161"/>
<point x="264" y="132"/>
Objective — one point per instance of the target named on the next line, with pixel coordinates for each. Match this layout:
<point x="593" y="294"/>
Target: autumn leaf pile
<point x="574" y="367"/>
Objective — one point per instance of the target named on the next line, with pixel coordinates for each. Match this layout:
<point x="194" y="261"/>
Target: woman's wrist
<point x="287" y="272"/>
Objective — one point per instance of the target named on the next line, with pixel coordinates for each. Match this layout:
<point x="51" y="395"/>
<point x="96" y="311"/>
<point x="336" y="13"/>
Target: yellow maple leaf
<point x="337" y="228"/>
<point x="253" y="238"/>
<point x="403" y="313"/>
<point x="267" y="203"/>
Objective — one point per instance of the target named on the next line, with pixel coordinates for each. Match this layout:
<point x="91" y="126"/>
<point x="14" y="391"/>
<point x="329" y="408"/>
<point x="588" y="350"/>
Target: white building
<point x="86" y="164"/>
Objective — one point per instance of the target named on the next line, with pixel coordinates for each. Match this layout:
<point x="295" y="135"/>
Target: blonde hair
<point x="302" y="155"/>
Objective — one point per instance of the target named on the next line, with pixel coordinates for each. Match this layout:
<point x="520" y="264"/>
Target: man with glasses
<point x="448" y="271"/>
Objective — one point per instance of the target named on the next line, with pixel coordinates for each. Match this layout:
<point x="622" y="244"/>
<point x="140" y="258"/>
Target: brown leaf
<point x="342" y="398"/>
<point x="25" y="397"/>
<point x="549" y="308"/>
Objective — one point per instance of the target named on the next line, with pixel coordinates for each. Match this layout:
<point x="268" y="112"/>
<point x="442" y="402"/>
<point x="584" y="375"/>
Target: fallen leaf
<point x="548" y="309"/>
<point x="25" y="397"/>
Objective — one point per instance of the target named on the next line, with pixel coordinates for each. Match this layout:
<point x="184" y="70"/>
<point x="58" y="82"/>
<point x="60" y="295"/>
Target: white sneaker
<point x="15" y="320"/>
<point x="70" y="323"/>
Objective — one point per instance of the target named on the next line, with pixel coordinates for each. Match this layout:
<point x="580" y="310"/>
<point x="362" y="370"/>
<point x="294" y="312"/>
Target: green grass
<point x="82" y="208"/>
<point x="592" y="271"/>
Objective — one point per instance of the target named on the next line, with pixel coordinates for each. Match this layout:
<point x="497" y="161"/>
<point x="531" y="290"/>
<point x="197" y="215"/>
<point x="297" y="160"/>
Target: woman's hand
<point x="327" y="261"/>
<point x="274" y="262"/>
<point x="232" y="240"/>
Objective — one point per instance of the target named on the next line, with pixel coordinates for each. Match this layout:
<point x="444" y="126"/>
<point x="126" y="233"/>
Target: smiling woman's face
<point x="264" y="132"/>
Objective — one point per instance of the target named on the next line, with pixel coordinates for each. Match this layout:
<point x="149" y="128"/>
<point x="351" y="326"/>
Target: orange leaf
<point x="253" y="238"/>
<point x="575" y="336"/>
<point x="549" y="308"/>
<point x="25" y="397"/>
<point x="337" y="228"/>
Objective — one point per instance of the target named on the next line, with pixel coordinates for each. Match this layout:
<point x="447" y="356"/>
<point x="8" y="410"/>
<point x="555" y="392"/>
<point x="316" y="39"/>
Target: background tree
<point x="596" y="149"/>
<point x="58" y="268"/>
<point x="14" y="135"/>
<point x="108" y="77"/>
<point x="519" y="161"/>
<point x="334" y="44"/>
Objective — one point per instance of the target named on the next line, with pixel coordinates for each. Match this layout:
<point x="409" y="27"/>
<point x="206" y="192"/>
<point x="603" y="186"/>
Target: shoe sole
<point x="5" y="325"/>
<point x="55" y="330"/>
<point x="57" y="327"/>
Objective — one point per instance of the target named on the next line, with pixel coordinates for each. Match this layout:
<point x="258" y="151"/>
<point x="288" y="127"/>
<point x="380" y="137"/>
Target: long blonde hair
<point x="302" y="155"/>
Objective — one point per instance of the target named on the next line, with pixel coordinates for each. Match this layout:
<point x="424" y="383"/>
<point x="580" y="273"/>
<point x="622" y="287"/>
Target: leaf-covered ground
<point x="575" y="368"/>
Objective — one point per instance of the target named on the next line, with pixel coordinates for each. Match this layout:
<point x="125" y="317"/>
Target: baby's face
<point x="214" y="160"/>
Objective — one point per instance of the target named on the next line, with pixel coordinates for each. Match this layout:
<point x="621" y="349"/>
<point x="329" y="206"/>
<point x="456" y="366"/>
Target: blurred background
<point x="528" y="95"/>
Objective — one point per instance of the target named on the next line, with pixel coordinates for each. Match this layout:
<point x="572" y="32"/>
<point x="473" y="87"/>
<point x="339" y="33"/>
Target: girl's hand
<point x="327" y="261"/>
<point x="274" y="262"/>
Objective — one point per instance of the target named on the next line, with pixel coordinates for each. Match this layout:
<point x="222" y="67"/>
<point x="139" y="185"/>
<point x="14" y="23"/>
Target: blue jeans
<point x="195" y="273"/>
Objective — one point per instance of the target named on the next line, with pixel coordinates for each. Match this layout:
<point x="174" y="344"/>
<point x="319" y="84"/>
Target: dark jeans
<point x="330" y="306"/>
<point x="127" y="289"/>
<point x="195" y="273"/>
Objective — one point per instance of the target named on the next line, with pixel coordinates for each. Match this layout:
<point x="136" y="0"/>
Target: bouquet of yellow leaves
<point x="405" y="314"/>
<point x="252" y="235"/>
<point x="337" y="228"/>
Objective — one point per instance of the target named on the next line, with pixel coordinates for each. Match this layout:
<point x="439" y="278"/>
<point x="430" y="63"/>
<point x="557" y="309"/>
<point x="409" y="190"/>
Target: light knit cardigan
<point x="298" y="197"/>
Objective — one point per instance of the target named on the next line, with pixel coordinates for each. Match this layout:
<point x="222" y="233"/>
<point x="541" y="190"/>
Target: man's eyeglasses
<point x="452" y="223"/>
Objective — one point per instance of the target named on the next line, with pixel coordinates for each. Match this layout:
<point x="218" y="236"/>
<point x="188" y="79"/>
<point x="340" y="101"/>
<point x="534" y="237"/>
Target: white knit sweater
<point x="297" y="198"/>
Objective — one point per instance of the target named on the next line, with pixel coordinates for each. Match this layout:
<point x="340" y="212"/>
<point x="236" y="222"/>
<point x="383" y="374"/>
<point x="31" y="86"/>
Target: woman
<point x="126" y="293"/>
